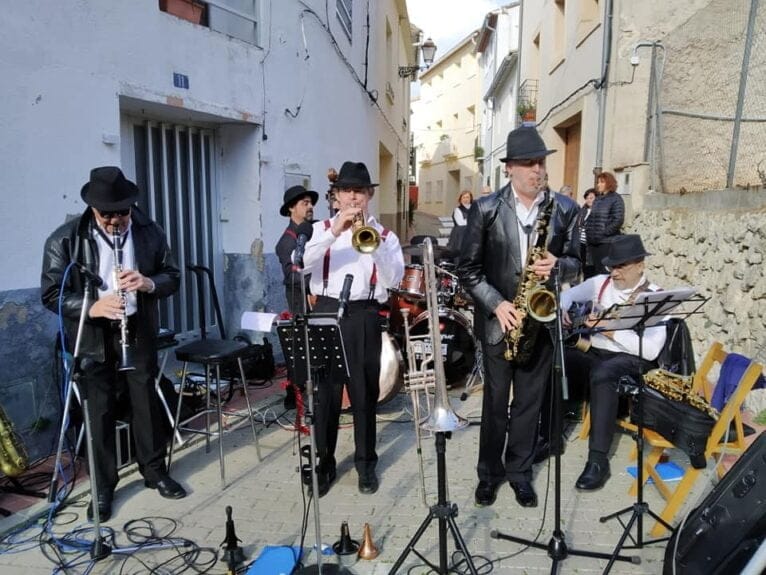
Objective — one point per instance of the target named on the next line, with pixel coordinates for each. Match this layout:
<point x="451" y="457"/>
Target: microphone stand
<point x="557" y="546"/>
<point x="99" y="549"/>
<point x="319" y="568"/>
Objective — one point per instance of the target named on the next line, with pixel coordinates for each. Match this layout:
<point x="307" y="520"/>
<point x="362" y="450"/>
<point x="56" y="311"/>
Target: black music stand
<point x="557" y="546"/>
<point x="650" y="309"/>
<point x="313" y="343"/>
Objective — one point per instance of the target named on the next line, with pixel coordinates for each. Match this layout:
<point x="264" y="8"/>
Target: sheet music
<point x="658" y="304"/>
<point x="257" y="321"/>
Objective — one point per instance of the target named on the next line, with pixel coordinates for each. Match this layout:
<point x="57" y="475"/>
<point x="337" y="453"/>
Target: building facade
<point x="214" y="112"/>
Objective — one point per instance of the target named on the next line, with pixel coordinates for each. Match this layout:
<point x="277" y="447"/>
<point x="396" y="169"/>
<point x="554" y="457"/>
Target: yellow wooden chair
<point x="716" y="443"/>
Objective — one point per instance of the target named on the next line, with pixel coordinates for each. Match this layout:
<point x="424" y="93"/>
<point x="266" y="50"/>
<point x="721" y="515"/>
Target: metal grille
<point x="175" y="172"/>
<point x="708" y="101"/>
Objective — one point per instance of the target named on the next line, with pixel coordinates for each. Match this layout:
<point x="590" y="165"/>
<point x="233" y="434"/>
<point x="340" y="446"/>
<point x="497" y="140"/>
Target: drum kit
<point x="455" y="310"/>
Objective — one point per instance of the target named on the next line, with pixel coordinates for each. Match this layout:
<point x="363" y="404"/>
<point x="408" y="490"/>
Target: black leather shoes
<point x="525" y="493"/>
<point x="593" y="476"/>
<point x="104" y="506"/>
<point x="167" y="487"/>
<point x="368" y="483"/>
<point x="324" y="480"/>
<point x="486" y="493"/>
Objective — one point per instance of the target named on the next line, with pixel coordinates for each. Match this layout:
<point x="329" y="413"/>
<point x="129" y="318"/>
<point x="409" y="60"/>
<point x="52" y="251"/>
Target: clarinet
<point x="126" y="360"/>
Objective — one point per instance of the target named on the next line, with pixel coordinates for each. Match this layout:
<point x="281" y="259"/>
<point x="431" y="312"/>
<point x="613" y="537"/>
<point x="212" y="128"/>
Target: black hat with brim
<point x="524" y="143"/>
<point x="108" y="190"/>
<point x="623" y="249"/>
<point x="353" y="175"/>
<point x="292" y="195"/>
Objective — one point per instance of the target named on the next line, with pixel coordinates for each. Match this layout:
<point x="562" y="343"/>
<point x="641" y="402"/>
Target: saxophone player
<point x="147" y="273"/>
<point x="502" y="229"/>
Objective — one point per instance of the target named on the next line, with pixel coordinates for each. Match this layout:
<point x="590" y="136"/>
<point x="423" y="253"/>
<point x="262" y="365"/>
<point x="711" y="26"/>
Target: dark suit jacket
<point x="490" y="261"/>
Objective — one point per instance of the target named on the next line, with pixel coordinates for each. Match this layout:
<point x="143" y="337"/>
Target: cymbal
<point x="417" y="250"/>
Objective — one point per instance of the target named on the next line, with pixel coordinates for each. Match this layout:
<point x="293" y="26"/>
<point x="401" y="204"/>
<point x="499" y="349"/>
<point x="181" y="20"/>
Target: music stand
<point x="649" y="309"/>
<point x="557" y="547"/>
<point x="313" y="340"/>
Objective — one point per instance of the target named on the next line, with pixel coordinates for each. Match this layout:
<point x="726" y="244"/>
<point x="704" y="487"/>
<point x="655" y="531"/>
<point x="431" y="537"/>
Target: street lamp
<point x="428" y="49"/>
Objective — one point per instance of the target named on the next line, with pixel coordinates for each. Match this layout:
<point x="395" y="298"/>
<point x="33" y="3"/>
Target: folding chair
<point x="211" y="354"/>
<point x="717" y="442"/>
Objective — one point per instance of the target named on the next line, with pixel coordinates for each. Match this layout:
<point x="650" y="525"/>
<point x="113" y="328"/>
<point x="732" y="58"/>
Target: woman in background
<point x="460" y="214"/>
<point x="605" y="221"/>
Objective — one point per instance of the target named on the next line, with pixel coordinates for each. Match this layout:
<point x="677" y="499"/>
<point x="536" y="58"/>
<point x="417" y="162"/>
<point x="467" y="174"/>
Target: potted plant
<point x="526" y="110"/>
<point x="191" y="10"/>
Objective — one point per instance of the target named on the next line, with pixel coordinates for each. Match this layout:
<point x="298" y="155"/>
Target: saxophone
<point x="679" y="388"/>
<point x="13" y="461"/>
<point x="534" y="302"/>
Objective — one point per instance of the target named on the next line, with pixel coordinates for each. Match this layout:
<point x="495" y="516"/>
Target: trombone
<point x="430" y="373"/>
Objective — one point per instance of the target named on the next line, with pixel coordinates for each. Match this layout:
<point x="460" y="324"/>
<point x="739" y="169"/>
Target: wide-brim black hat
<point x="292" y="195"/>
<point x="623" y="249"/>
<point x="524" y="143"/>
<point x="353" y="175"/>
<point x="109" y="190"/>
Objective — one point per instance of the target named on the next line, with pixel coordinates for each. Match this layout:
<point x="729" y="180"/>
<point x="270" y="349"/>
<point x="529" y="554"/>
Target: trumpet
<point x="365" y="239"/>
<point x="126" y="360"/>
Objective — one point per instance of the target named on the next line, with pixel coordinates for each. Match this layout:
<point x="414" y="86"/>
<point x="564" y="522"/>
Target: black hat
<point x="109" y="190"/>
<point x="623" y="249"/>
<point x="524" y="143"/>
<point x="353" y="175"/>
<point x="292" y="195"/>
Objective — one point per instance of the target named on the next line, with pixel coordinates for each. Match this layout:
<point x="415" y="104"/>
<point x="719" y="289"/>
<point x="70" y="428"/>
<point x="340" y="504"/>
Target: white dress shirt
<point x="344" y="259"/>
<point x="526" y="217"/>
<point x="106" y="265"/>
<point x="622" y="341"/>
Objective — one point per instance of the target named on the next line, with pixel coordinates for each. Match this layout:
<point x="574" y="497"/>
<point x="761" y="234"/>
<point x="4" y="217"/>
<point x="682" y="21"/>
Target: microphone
<point x="304" y="232"/>
<point x="94" y="278"/>
<point x="345" y="292"/>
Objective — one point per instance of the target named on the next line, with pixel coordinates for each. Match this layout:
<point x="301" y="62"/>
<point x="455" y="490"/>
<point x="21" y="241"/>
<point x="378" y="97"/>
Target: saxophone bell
<point x="541" y="304"/>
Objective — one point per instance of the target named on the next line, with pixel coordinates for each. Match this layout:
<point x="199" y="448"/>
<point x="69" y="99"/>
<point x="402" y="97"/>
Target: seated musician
<point x="330" y="256"/>
<point x="612" y="354"/>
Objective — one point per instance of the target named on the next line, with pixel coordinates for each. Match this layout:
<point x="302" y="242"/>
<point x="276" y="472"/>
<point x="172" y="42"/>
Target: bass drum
<point x="458" y="344"/>
<point x="391" y="372"/>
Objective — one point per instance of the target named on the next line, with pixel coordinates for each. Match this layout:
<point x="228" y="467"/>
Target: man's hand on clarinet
<point x="133" y="280"/>
<point x="109" y="307"/>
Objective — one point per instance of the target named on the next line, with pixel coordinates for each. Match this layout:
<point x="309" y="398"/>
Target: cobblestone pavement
<point x="268" y="505"/>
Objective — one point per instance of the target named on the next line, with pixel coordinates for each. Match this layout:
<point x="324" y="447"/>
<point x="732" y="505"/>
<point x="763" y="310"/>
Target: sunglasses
<point x="115" y="214"/>
<point x="528" y="163"/>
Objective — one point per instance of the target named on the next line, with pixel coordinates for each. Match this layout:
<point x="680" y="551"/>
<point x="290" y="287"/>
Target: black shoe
<point x="593" y="476"/>
<point x="525" y="493"/>
<point x="324" y="480"/>
<point x="104" y="506"/>
<point x="486" y="493"/>
<point x="167" y="487"/>
<point x="368" y="483"/>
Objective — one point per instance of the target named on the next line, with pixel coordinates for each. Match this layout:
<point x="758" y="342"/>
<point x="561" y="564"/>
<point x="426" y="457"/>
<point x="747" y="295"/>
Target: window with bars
<point x="175" y="167"/>
<point x="343" y="13"/>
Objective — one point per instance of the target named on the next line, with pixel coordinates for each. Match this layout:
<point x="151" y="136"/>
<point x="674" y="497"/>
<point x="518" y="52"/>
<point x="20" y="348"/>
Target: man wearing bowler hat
<point x="500" y="232"/>
<point x="612" y="354"/>
<point x="330" y="257"/>
<point x="298" y="204"/>
<point x="83" y="249"/>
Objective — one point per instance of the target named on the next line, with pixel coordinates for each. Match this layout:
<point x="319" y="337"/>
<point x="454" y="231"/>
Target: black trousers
<point x="361" y="334"/>
<point x="600" y="370"/>
<point x="99" y="384"/>
<point x="507" y="437"/>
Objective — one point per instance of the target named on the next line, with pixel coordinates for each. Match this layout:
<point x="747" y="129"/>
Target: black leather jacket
<point x="74" y="242"/>
<point x="490" y="264"/>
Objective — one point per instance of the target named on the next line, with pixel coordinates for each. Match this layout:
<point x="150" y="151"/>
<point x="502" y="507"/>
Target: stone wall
<point x="715" y="242"/>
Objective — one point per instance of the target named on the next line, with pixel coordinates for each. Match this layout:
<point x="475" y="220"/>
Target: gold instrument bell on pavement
<point x="368" y="550"/>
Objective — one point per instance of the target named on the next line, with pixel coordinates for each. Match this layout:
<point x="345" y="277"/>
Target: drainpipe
<point x="606" y="53"/>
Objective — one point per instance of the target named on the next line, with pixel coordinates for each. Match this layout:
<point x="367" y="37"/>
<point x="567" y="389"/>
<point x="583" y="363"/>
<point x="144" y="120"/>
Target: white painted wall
<point x="69" y="68"/>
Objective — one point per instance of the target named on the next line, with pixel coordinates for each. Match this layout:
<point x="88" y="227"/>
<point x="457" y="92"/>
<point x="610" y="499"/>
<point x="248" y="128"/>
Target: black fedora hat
<point x="524" y="143"/>
<point x="623" y="249"/>
<point x="292" y="195"/>
<point x="353" y="175"/>
<point x="109" y="190"/>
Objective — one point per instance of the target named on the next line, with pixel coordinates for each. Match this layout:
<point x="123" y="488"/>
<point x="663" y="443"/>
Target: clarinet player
<point x="501" y="230"/>
<point x="123" y="316"/>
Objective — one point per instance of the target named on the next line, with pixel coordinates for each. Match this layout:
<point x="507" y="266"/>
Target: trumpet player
<point x="147" y="273"/>
<point x="501" y="230"/>
<point x="352" y="243"/>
